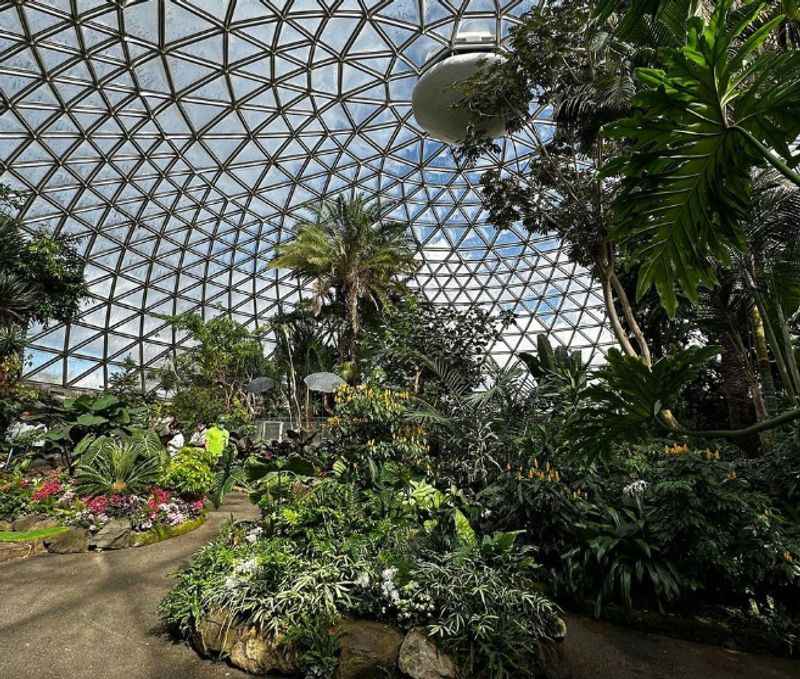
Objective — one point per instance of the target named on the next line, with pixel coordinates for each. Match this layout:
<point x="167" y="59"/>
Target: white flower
<point x="175" y="443"/>
<point x="635" y="489"/>
<point x="248" y="567"/>
<point x="388" y="588"/>
<point x="363" y="580"/>
<point x="254" y="534"/>
<point x="231" y="582"/>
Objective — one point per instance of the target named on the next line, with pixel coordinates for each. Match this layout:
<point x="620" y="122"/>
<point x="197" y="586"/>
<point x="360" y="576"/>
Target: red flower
<point x="46" y="490"/>
<point x="159" y="497"/>
<point x="198" y="505"/>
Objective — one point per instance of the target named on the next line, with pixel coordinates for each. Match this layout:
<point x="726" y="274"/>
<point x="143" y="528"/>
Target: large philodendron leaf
<point x="717" y="109"/>
<point x="627" y="398"/>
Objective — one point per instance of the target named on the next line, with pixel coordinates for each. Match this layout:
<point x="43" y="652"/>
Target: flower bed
<point x="31" y="504"/>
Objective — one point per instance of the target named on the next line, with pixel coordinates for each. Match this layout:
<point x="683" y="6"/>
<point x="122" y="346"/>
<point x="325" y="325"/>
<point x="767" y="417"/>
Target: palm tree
<point x="349" y="255"/>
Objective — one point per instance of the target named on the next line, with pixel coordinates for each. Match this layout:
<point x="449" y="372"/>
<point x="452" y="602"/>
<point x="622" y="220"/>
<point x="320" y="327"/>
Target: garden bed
<point x="59" y="539"/>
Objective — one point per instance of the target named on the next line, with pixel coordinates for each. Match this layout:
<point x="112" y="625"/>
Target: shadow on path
<point x="600" y="650"/>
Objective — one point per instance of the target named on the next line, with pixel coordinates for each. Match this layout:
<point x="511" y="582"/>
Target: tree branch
<point x="667" y="420"/>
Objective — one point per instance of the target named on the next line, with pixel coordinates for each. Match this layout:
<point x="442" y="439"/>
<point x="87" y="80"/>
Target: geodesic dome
<point x="180" y="141"/>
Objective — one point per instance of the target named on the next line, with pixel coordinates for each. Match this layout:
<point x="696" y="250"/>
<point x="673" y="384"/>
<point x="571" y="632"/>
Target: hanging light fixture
<point x="436" y="93"/>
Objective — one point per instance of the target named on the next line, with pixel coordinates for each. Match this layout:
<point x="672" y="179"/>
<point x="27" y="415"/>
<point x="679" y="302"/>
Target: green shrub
<point x="190" y="471"/>
<point x="370" y="428"/>
<point x="116" y="466"/>
<point x="729" y="537"/>
<point x="195" y="405"/>
<point x="15" y="492"/>
<point x="620" y="559"/>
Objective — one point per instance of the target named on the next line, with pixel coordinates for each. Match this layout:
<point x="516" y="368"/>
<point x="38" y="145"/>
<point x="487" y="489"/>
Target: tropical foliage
<point x="41" y="275"/>
<point x="720" y="105"/>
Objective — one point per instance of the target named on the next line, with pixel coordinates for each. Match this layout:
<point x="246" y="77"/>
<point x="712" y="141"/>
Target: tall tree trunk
<point x="736" y="389"/>
<point x="788" y="345"/>
<point x="604" y="261"/>
<point x="605" y="271"/>
<point x="772" y="338"/>
<point x="352" y="314"/>
<point x="764" y="368"/>
<point x="613" y="317"/>
<point x="630" y="319"/>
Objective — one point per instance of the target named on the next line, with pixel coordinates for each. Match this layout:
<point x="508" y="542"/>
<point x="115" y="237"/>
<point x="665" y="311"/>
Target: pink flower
<point x="198" y="505"/>
<point x="96" y="505"/>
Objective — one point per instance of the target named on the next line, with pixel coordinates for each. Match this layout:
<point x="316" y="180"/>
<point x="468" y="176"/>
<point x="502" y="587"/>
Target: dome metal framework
<point x="180" y="141"/>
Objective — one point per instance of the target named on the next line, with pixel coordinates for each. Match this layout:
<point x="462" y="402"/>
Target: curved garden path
<point x="94" y="616"/>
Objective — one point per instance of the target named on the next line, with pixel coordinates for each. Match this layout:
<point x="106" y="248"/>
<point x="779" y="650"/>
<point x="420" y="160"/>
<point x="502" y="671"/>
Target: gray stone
<point x="367" y="649"/>
<point x="34" y="522"/>
<point x="73" y="541"/>
<point x="420" y="658"/>
<point x="255" y="653"/>
<point x="116" y="534"/>
<point x="215" y="633"/>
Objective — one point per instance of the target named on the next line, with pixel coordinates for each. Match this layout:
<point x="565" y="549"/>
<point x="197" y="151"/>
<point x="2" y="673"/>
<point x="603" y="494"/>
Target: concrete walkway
<point x="94" y="616"/>
<point x="600" y="650"/>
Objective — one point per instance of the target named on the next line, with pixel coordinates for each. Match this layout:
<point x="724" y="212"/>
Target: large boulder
<point x="116" y="534"/>
<point x="420" y="658"/>
<point x="367" y="649"/>
<point x="31" y="522"/>
<point x="215" y="634"/>
<point x="255" y="653"/>
<point x="73" y="541"/>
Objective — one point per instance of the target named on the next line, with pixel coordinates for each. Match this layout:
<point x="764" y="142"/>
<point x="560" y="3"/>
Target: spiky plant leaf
<point x="626" y="399"/>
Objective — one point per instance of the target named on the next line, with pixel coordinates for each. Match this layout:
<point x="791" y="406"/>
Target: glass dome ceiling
<point x="181" y="140"/>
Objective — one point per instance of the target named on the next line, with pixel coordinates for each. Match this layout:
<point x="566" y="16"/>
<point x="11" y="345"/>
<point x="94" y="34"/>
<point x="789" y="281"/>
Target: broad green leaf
<point x="87" y="420"/>
<point x="464" y="531"/>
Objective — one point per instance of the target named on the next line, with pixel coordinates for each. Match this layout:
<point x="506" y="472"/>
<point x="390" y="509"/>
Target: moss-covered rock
<point x="159" y="533"/>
